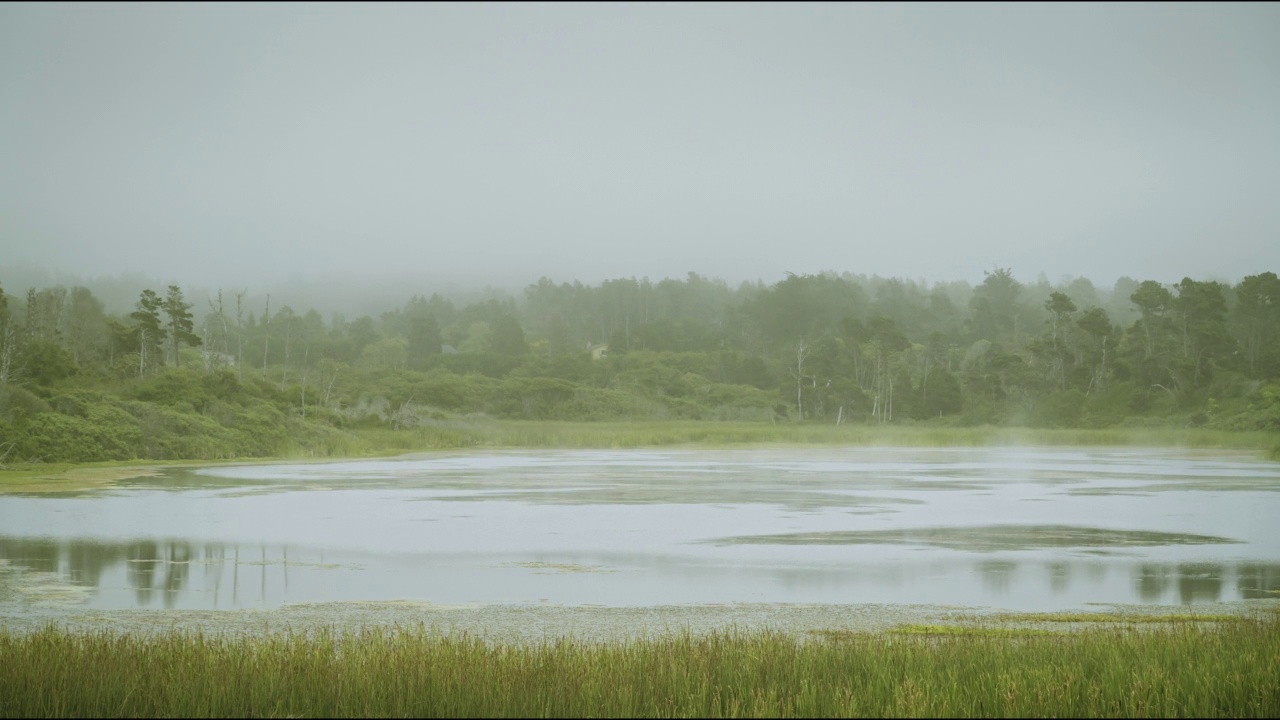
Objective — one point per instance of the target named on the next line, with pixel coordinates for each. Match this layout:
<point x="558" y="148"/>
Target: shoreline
<point x="503" y="624"/>
<point x="524" y="435"/>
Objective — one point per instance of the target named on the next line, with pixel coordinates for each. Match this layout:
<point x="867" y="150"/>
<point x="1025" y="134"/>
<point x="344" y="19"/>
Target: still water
<point x="1015" y="528"/>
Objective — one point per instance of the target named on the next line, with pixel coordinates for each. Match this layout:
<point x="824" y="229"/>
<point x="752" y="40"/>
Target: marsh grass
<point x="1177" y="670"/>
<point x="549" y="434"/>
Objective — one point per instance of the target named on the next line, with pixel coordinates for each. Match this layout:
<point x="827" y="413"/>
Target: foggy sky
<point x="502" y="143"/>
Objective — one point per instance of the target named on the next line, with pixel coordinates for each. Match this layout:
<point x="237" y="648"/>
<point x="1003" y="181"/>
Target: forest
<point x="213" y="378"/>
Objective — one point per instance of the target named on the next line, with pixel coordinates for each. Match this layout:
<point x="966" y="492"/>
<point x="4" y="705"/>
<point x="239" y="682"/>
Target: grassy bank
<point x="546" y="434"/>
<point x="1181" y="670"/>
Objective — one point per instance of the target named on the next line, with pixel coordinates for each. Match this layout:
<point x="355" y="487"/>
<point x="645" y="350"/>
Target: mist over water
<point x="1015" y="528"/>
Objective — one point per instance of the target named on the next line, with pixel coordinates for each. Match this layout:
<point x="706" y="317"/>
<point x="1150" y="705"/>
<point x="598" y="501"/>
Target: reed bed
<point x="1229" y="669"/>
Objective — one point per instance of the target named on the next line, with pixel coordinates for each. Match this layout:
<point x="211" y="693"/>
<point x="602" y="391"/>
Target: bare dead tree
<point x="266" y="342"/>
<point x="220" y="310"/>
<point x="802" y="351"/>
<point x="306" y="349"/>
<point x="206" y="353"/>
<point x="240" y="334"/>
<point x="403" y="415"/>
<point x="6" y="448"/>
<point x="288" y="341"/>
<point x="330" y="367"/>
<point x="9" y="355"/>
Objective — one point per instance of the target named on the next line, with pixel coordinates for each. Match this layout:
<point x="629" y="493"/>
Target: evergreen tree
<point x="1095" y="332"/>
<point x="508" y="337"/>
<point x="44" y="314"/>
<point x="1257" y="324"/>
<point x="424" y="340"/>
<point x="181" y="327"/>
<point x="147" y="330"/>
<point x="995" y="308"/>
<point x="1202" y="314"/>
<point x="9" y="355"/>
<point x="87" y="334"/>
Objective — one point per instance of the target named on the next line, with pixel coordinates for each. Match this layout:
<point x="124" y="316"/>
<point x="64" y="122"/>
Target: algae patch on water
<point x="39" y="588"/>
<point x="718" y="492"/>
<point x="76" y="479"/>
<point x="986" y="538"/>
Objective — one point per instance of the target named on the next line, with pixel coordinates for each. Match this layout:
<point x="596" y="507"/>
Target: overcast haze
<point x="499" y="143"/>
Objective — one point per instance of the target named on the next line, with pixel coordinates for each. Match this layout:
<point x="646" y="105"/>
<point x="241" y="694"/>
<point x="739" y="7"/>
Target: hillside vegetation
<point x="79" y="384"/>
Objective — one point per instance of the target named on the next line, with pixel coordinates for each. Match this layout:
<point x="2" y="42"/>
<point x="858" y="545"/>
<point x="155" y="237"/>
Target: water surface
<point x="1015" y="528"/>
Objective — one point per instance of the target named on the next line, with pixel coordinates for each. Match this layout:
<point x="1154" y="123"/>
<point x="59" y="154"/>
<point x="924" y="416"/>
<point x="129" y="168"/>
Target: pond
<point x="1014" y="528"/>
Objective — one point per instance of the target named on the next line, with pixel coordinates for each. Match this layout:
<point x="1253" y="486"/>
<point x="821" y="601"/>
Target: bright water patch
<point x="1017" y="528"/>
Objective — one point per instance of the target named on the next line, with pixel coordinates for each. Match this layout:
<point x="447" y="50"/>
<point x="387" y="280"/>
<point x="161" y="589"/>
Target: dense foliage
<point x="80" y="384"/>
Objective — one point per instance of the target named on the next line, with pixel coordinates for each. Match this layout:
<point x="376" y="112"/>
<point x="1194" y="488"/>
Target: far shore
<point x="510" y="435"/>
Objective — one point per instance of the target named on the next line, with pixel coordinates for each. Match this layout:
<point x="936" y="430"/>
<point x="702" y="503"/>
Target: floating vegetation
<point x="69" y="479"/>
<point x="1261" y="484"/>
<point x="679" y="490"/>
<point x="986" y="538"/>
<point x="42" y="589"/>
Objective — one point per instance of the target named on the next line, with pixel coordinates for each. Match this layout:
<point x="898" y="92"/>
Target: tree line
<point x="827" y="347"/>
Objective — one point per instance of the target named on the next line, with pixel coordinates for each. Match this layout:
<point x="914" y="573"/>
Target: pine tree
<point x="181" y="328"/>
<point x="148" y="330"/>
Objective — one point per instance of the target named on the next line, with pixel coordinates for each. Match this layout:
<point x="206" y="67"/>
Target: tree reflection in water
<point x="1256" y="581"/>
<point x="164" y="574"/>
<point x="153" y="569"/>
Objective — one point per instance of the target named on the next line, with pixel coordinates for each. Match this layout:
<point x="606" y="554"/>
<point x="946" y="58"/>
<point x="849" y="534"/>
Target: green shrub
<point x="173" y="387"/>
<point x="1062" y="409"/>
<point x="17" y="402"/>
<point x="46" y="363"/>
<point x="50" y="437"/>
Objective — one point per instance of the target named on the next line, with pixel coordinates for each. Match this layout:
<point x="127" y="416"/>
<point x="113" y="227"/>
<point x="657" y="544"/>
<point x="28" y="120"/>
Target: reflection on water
<point x="156" y="574"/>
<point x="1059" y="576"/>
<point x="1011" y="528"/>
<point x="1153" y="582"/>
<point x="997" y="575"/>
<point x="1199" y="582"/>
<point x="184" y="575"/>
<point x="1257" y="582"/>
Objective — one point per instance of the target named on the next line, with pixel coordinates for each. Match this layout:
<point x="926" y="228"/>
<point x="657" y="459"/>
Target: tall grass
<point x="1184" y="670"/>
